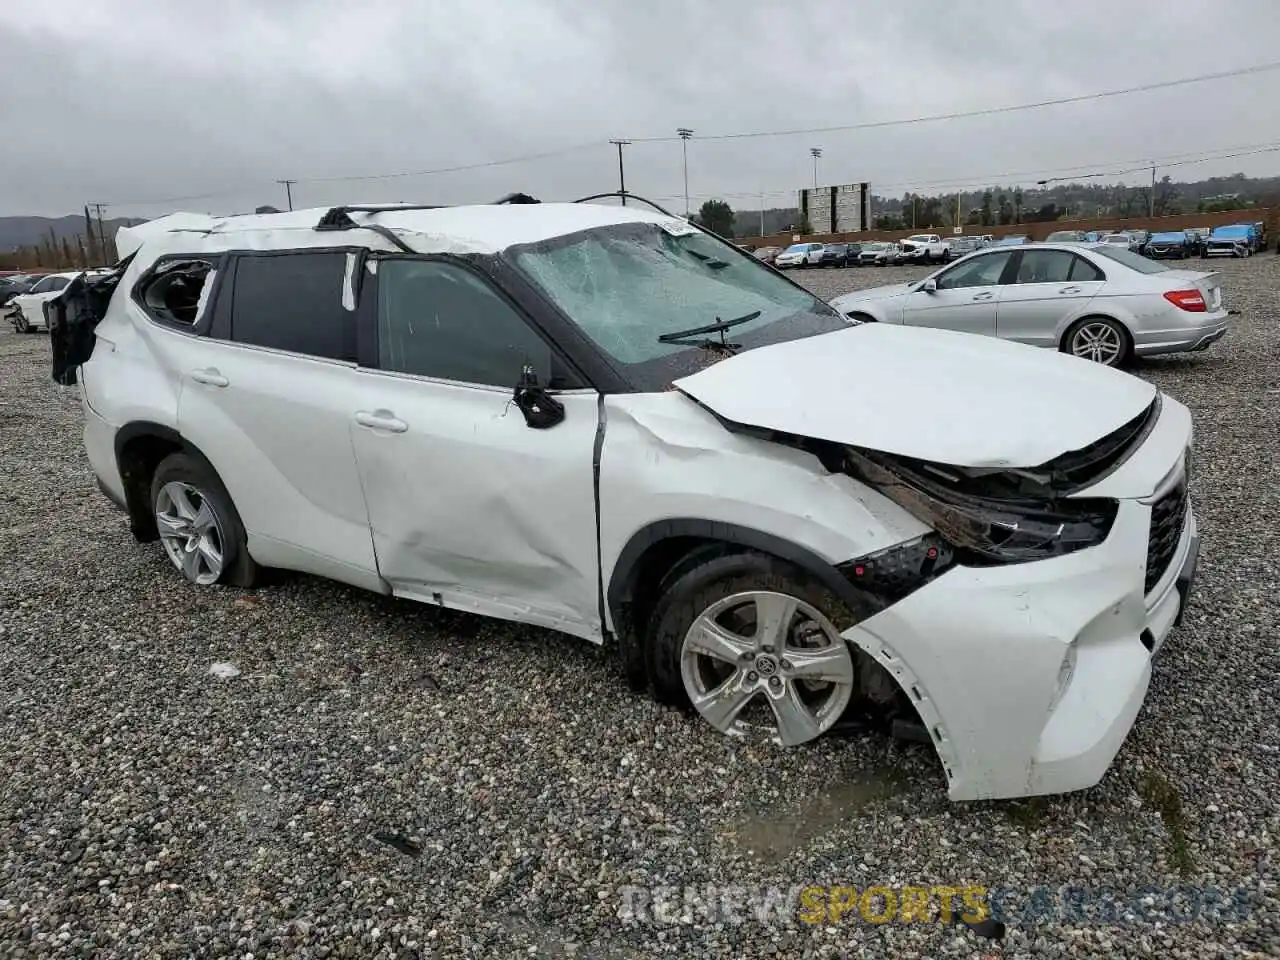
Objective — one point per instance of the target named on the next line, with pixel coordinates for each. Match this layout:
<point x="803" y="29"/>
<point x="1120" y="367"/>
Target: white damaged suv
<point x="609" y="422"/>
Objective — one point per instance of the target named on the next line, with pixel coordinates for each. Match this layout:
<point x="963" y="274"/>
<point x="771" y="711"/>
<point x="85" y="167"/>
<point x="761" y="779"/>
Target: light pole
<point x="684" y="133"/>
<point x="815" y="152"/>
<point x="1151" y="205"/>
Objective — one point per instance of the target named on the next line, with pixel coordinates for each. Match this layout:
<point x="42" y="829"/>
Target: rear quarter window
<point x="294" y="302"/>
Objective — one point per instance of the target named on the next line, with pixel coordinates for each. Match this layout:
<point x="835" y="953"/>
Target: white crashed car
<point x="27" y="311"/>
<point x="608" y="422"/>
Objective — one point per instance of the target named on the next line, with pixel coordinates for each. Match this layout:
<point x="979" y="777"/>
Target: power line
<point x="527" y="158"/>
<point x="986" y="112"/>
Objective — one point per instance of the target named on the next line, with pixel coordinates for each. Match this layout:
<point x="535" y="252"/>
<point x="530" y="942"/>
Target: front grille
<point x="1168" y="516"/>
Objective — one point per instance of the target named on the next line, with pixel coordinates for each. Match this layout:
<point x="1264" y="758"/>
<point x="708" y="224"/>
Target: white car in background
<point x="767" y="512"/>
<point x="799" y="255"/>
<point x="27" y="310"/>
<point x="1101" y="302"/>
<point x="925" y="248"/>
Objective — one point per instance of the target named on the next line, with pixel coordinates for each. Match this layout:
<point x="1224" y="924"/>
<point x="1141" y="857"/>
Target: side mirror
<point x="930" y="286"/>
<point x="540" y="409"/>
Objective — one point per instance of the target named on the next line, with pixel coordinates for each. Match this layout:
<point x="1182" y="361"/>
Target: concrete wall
<point x="1038" y="231"/>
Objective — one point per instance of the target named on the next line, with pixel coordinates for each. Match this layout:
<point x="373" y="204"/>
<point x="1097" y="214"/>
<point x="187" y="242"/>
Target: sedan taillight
<point x="1190" y="300"/>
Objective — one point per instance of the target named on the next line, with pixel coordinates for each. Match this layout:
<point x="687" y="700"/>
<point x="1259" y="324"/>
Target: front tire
<point x="1099" y="339"/>
<point x="20" y="323"/>
<point x="200" y="528"/>
<point x="749" y="640"/>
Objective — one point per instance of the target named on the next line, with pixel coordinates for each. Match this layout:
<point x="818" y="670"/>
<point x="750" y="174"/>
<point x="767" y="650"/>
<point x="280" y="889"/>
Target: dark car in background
<point x="835" y="255"/>
<point x="1067" y="236"/>
<point x="12" y="286"/>
<point x="1197" y="240"/>
<point x="1173" y="245"/>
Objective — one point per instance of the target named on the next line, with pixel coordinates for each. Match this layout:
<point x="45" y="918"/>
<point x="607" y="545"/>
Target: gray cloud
<point x="136" y="102"/>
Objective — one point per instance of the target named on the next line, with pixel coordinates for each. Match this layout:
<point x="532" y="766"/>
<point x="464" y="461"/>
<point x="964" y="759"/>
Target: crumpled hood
<point x="953" y="398"/>
<point x="871" y="293"/>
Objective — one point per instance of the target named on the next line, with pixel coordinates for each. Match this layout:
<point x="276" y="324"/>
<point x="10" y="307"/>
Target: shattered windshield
<point x="627" y="285"/>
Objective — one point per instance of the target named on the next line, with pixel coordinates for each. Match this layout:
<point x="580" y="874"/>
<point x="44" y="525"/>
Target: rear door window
<point x="294" y="301"/>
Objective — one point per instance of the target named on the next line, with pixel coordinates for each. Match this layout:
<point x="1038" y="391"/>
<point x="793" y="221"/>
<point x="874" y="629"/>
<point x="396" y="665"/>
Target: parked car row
<point x="1236" y="240"/>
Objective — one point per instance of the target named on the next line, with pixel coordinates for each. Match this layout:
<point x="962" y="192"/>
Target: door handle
<point x="983" y="296"/>
<point x="381" y="420"/>
<point x="209" y="376"/>
<point x="1069" y="290"/>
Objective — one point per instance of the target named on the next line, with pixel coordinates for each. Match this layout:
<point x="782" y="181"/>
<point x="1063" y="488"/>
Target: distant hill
<point x="32" y="231"/>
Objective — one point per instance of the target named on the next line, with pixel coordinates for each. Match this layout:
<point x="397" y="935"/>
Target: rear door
<point x="965" y="299"/>
<point x="470" y="506"/>
<point x="1046" y="291"/>
<point x="267" y="396"/>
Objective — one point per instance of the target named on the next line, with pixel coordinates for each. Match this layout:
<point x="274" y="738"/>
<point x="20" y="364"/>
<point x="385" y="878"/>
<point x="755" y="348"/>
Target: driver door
<point x="966" y="297"/>
<point x="470" y="507"/>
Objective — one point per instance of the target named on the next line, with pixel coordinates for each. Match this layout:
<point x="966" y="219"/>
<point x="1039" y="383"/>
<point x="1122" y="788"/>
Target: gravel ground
<point x="379" y="778"/>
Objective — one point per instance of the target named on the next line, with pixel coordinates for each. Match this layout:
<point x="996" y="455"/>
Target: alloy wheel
<point x="190" y="532"/>
<point x="771" y="657"/>
<point x="1098" y="341"/>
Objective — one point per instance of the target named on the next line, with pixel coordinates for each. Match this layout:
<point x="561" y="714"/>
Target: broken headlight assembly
<point x="1024" y="520"/>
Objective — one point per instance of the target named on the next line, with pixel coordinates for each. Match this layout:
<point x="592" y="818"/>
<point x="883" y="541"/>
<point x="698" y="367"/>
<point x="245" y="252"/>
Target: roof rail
<point x="624" y="195"/>
<point x="339" y="218"/>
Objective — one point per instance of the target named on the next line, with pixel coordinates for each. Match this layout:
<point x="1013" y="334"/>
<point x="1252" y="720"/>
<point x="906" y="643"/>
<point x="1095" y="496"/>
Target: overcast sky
<point x="140" y="102"/>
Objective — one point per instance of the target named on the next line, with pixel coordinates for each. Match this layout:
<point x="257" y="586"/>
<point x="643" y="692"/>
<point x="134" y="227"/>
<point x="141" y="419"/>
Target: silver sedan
<point x="1096" y="301"/>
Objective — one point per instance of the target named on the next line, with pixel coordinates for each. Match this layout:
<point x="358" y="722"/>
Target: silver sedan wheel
<point x="190" y="531"/>
<point x="773" y="649"/>
<point x="1098" y="341"/>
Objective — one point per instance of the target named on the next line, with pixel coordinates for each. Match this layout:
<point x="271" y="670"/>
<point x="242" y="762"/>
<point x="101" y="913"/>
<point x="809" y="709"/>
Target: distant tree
<point x="717" y="216"/>
<point x="803" y="226"/>
<point x="974" y="219"/>
<point x="1017" y="205"/>
<point x="1006" y="210"/>
<point x="986" y="217"/>
<point x="1047" y="213"/>
<point x="1166" y="203"/>
<point x="888" y="221"/>
<point x="68" y="259"/>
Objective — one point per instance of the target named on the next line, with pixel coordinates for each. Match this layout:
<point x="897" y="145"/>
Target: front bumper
<point x="983" y="653"/>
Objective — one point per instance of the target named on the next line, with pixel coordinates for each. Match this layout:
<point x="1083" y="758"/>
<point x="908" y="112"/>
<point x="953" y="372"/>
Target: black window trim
<point x="220" y="325"/>
<point x="555" y="331"/>
<point x="202" y="325"/>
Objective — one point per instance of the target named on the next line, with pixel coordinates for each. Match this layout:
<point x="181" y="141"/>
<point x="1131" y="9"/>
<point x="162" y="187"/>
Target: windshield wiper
<point x="713" y="264"/>
<point x="720" y="326"/>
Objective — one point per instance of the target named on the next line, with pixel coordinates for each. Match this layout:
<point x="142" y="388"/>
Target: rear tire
<point x="1100" y="339"/>
<point x="199" y="526"/>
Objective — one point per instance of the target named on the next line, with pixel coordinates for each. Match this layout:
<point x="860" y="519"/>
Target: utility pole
<point x="815" y="152"/>
<point x="622" y="178"/>
<point x="762" y="211"/>
<point x="288" y="190"/>
<point x="684" y="133"/>
<point x="1151" y="204"/>
<point x="102" y="233"/>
